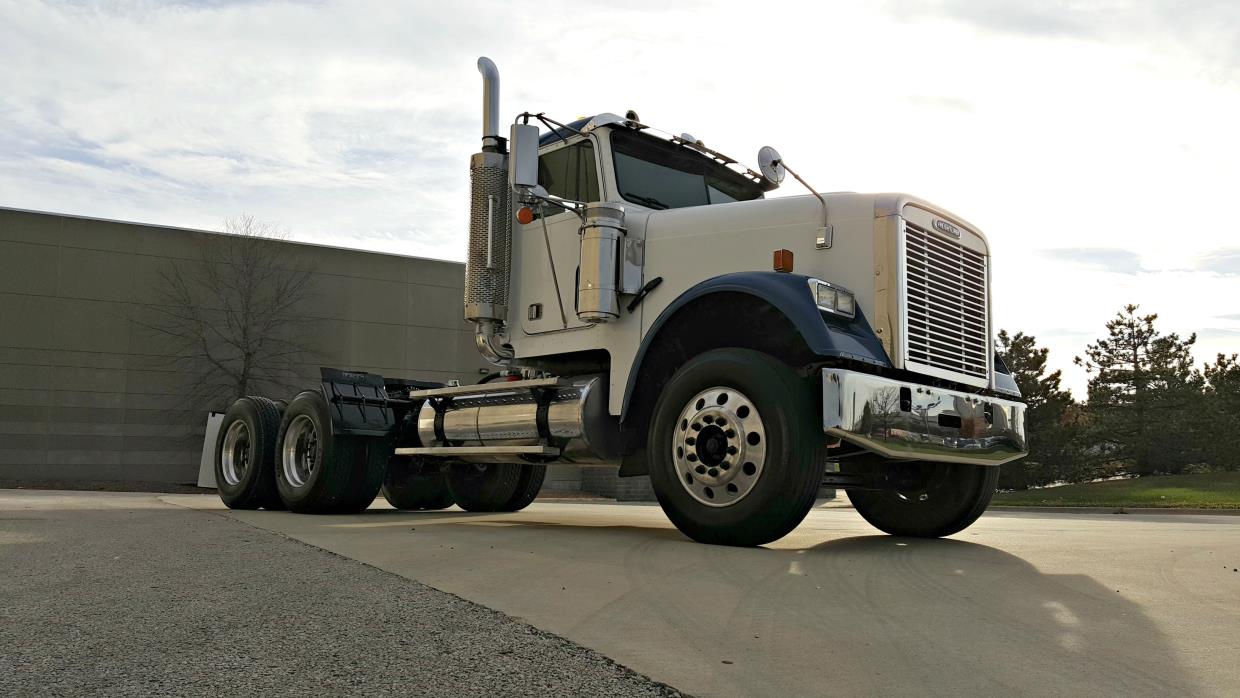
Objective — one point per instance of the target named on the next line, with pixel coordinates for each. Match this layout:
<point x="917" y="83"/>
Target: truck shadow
<point x="992" y="619"/>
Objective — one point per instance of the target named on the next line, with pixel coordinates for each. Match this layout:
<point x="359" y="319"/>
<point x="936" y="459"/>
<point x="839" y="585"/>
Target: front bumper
<point x="909" y="421"/>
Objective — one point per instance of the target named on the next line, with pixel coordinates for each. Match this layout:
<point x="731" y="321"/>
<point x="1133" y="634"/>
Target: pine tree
<point x="1222" y="405"/>
<point x="1141" y="390"/>
<point x="1051" y="423"/>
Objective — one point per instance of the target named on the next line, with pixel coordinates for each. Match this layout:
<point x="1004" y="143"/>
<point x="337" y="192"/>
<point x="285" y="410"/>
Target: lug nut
<point x="700" y="470"/>
<point x="713" y="472"/>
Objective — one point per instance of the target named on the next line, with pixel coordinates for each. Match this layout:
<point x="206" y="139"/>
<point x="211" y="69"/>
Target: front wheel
<point x="736" y="448"/>
<point x="927" y="500"/>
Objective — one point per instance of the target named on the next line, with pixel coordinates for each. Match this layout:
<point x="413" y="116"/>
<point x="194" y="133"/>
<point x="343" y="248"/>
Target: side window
<point x="570" y="172"/>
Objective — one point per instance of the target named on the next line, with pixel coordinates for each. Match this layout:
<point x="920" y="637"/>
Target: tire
<point x="930" y="500"/>
<point x="729" y="486"/>
<point x="497" y="487"/>
<point x="317" y="472"/>
<point x="245" y="454"/>
<point x="414" y="485"/>
<point x="528" y="486"/>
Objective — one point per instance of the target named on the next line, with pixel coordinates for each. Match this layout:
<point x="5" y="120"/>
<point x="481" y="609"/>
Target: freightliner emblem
<point x="946" y="228"/>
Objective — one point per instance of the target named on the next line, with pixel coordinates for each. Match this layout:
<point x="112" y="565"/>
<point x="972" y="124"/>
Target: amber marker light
<point x="525" y="215"/>
<point x="783" y="261"/>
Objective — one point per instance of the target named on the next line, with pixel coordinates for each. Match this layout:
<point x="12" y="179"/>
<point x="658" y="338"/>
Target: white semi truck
<point x="648" y="309"/>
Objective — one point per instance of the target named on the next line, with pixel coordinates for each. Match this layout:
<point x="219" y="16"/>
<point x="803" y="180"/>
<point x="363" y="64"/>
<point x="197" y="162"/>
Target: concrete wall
<point x="87" y="394"/>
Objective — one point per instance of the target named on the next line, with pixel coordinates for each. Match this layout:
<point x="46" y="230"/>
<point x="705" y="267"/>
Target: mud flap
<point x="358" y="403"/>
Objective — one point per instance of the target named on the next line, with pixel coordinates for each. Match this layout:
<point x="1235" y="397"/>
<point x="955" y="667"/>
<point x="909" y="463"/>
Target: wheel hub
<point x="300" y="454"/>
<point x="719" y="446"/>
<point x="235" y="453"/>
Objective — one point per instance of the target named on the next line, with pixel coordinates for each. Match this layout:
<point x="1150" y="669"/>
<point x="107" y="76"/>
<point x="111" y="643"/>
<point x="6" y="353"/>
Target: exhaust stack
<point x="487" y="265"/>
<point x="490" y="98"/>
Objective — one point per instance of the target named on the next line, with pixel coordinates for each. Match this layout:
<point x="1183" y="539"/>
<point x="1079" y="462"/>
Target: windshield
<point x="659" y="174"/>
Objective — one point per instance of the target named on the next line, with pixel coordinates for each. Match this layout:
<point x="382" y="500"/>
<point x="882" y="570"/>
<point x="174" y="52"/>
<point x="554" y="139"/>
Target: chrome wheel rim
<point x="300" y="454"/>
<point x="235" y="454"/>
<point x="719" y="446"/>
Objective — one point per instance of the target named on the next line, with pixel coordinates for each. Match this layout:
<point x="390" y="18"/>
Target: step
<point x="479" y="451"/>
<point x="494" y="387"/>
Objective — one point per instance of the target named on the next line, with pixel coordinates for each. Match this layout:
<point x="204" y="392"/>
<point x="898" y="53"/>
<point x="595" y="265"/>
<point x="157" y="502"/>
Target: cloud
<point x="1028" y="18"/>
<point x="1218" y="333"/>
<point x="1100" y="258"/>
<point x="940" y="102"/>
<point x="1207" y="28"/>
<point x="1229" y="316"/>
<point x="1224" y="261"/>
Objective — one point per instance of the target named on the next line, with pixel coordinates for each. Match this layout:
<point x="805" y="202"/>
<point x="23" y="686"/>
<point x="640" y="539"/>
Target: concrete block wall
<point x="86" y="393"/>
<point x="562" y="478"/>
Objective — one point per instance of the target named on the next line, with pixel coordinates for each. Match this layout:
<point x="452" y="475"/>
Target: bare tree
<point x="232" y="319"/>
<point x="886" y="404"/>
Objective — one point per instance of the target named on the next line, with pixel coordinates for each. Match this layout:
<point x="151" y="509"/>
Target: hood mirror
<point x="771" y="165"/>
<point x="773" y="170"/>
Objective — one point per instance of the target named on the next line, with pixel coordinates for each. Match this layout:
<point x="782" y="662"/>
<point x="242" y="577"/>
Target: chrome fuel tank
<point x="571" y="417"/>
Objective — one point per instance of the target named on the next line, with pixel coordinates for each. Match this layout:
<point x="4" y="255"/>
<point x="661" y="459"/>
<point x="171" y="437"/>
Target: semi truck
<point x="648" y="308"/>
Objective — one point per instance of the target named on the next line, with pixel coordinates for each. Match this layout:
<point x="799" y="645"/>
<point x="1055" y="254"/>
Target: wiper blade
<point x="649" y="201"/>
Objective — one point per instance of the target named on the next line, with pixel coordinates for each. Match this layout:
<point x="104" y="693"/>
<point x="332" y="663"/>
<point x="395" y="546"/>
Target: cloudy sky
<point x="1097" y="143"/>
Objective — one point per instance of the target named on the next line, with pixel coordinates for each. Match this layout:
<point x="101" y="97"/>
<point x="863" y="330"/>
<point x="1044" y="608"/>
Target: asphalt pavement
<point x="116" y="594"/>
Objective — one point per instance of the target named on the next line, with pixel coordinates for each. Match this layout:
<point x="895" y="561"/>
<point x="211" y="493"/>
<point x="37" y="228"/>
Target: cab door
<point x="548" y="248"/>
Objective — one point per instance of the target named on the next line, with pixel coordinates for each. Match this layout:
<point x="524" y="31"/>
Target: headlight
<point x="833" y="299"/>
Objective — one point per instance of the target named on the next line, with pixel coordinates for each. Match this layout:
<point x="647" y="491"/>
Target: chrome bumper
<point x="909" y="421"/>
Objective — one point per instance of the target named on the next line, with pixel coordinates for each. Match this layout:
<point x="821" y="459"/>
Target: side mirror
<point x="771" y="165"/>
<point x="523" y="158"/>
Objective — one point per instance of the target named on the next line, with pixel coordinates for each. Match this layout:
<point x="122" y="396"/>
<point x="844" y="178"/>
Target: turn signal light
<point x="525" y="215"/>
<point x="783" y="261"/>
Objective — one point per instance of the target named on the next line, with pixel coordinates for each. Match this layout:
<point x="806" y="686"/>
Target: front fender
<point x="826" y="334"/>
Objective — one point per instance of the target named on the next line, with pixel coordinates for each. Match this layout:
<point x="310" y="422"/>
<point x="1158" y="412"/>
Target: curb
<point x="1168" y="511"/>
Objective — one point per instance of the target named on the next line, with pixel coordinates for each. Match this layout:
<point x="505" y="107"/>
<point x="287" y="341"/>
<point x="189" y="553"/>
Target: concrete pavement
<point x="1022" y="603"/>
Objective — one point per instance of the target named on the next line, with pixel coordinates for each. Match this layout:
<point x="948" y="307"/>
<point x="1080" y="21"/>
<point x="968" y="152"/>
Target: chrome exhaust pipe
<point x="490" y="97"/>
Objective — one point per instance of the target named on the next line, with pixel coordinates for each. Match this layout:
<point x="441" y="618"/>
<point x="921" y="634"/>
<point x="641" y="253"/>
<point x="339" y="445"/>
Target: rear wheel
<point x="927" y="500"/>
<point x="245" y="454"/>
<point x="318" y="472"/>
<point x="414" y="484"/>
<point x="496" y="487"/>
<point x="736" y="448"/>
<point x="528" y="486"/>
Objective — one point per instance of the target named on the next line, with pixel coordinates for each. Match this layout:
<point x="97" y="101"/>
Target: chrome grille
<point x="946" y="304"/>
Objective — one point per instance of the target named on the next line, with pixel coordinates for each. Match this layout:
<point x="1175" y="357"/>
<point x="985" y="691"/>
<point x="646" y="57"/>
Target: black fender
<point x="827" y="335"/>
